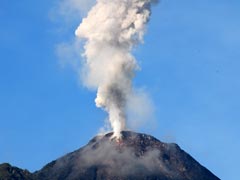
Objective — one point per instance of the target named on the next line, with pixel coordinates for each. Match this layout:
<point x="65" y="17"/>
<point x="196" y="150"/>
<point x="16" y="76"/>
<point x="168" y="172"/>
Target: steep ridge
<point x="7" y="172"/>
<point x="135" y="156"/>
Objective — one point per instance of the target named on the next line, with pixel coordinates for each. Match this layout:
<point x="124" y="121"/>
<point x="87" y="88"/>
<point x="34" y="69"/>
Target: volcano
<point x="134" y="156"/>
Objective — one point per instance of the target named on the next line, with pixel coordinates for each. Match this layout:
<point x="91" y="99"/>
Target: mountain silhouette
<point x="134" y="156"/>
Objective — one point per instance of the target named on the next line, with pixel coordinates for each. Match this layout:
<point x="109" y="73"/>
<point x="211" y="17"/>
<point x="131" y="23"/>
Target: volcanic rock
<point x="7" y="172"/>
<point x="134" y="156"/>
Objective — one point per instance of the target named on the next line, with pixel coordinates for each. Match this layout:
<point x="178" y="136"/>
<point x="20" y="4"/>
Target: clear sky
<point x="189" y="65"/>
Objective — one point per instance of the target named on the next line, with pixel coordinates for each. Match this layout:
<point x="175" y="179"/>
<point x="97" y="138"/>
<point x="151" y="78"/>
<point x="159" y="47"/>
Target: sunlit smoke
<point x="111" y="29"/>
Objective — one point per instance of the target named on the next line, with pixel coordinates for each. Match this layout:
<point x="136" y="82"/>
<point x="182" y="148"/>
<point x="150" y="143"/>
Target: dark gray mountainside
<point x="135" y="156"/>
<point x="7" y="172"/>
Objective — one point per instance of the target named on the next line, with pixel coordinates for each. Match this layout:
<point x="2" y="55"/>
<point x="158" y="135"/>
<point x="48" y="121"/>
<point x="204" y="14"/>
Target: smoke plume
<point x="111" y="30"/>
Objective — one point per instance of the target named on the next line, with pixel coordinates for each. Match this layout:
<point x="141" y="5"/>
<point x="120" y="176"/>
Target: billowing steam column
<point x="111" y="29"/>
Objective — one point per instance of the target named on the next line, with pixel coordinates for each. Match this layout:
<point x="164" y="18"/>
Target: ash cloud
<point x="70" y="10"/>
<point x="105" y="39"/>
<point x="111" y="30"/>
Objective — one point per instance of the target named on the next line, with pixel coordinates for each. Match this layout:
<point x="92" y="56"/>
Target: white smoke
<point x="70" y="10"/>
<point x="111" y="30"/>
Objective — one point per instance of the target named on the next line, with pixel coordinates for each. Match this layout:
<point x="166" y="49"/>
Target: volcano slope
<point x="7" y="172"/>
<point x="135" y="156"/>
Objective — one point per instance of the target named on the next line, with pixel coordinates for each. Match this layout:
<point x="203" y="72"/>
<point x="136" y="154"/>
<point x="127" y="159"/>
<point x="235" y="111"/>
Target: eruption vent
<point x="111" y="29"/>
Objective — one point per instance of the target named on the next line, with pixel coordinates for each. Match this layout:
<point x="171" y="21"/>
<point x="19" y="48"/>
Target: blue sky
<point x="190" y="67"/>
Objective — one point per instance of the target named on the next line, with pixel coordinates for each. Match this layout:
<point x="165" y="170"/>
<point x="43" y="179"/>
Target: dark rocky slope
<point x="135" y="156"/>
<point x="7" y="172"/>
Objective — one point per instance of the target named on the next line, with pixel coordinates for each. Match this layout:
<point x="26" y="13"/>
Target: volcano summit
<point x="135" y="156"/>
